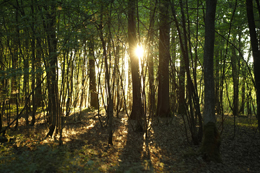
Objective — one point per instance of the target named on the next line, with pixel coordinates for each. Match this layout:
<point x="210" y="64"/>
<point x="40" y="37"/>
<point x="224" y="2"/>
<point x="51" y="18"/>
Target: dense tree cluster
<point x="58" y="55"/>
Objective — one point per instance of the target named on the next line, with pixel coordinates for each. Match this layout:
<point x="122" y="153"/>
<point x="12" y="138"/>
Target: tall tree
<point x="136" y="83"/>
<point x="33" y="64"/>
<point x="104" y="7"/>
<point x="235" y="71"/>
<point x="92" y="73"/>
<point x="50" y="29"/>
<point x="256" y="53"/>
<point x="181" y="89"/>
<point x="211" y="137"/>
<point x="192" y="94"/>
<point x="151" y="60"/>
<point x="163" y="108"/>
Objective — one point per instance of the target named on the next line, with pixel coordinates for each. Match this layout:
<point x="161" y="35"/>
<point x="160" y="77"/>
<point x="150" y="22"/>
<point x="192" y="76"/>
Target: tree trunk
<point x="92" y="74"/>
<point x="109" y="109"/>
<point x="256" y="53"/>
<point x="83" y="76"/>
<point x="33" y="66"/>
<point x="26" y="80"/>
<point x="163" y="107"/>
<point x="211" y="138"/>
<point x="217" y="86"/>
<point x="181" y="96"/>
<point x="54" y="106"/>
<point x="242" y="107"/>
<point x="15" y="64"/>
<point x="38" y="91"/>
<point x="234" y="63"/>
<point x="151" y="100"/>
<point x="173" y="94"/>
<point x="136" y="82"/>
<point x="192" y="92"/>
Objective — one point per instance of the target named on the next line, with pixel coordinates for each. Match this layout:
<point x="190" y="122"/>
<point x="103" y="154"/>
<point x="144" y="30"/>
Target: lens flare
<point x="139" y="51"/>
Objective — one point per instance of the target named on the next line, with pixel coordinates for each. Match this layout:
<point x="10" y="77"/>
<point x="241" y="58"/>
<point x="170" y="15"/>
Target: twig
<point x="26" y="102"/>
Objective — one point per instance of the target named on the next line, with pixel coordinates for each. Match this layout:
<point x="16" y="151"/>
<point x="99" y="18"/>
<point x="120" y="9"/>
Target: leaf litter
<point x="166" y="149"/>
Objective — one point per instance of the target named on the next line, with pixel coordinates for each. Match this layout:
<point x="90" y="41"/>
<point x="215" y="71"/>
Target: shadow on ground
<point x="85" y="148"/>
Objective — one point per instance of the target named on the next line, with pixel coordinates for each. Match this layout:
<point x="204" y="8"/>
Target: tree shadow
<point x="40" y="154"/>
<point x="170" y="143"/>
<point x="125" y="154"/>
<point x="132" y="152"/>
<point x="84" y="149"/>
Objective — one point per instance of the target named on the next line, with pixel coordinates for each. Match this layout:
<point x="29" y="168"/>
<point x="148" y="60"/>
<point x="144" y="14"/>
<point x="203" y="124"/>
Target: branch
<point x="26" y="102"/>
<point x="240" y="55"/>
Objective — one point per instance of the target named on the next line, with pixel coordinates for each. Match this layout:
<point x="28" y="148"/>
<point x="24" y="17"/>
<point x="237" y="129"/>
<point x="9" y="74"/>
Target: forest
<point x="129" y="86"/>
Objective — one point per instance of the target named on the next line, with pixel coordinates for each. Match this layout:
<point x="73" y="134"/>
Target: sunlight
<point x="90" y="126"/>
<point x="139" y="51"/>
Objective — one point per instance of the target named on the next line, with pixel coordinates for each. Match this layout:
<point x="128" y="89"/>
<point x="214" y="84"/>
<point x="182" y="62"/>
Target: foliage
<point x="46" y="43"/>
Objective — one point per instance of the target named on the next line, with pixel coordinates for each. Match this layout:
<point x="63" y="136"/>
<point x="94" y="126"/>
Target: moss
<point x="211" y="143"/>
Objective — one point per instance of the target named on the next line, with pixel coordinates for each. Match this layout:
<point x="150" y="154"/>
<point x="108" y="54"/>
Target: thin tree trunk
<point x="217" y="86"/>
<point x="194" y="104"/>
<point x="33" y="66"/>
<point x="26" y="79"/>
<point x="107" y="79"/>
<point x="83" y="76"/>
<point x="234" y="64"/>
<point x="15" y="63"/>
<point x="92" y="73"/>
<point x="151" y="62"/>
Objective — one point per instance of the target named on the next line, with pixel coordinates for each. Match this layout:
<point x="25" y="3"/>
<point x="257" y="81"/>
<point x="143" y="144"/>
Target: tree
<point x="163" y="108"/>
<point x="54" y="104"/>
<point x="151" y="60"/>
<point x="211" y="138"/>
<point x="92" y="73"/>
<point x="104" y="7"/>
<point x="193" y="107"/>
<point x="256" y="53"/>
<point x="136" y="83"/>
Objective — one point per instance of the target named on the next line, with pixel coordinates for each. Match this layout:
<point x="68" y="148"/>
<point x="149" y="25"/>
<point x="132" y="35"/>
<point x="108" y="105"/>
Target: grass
<point x="31" y="155"/>
<point x="242" y="121"/>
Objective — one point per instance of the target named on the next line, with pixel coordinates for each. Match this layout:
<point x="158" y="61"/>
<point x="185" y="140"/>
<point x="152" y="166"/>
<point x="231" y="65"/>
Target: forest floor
<point x="166" y="148"/>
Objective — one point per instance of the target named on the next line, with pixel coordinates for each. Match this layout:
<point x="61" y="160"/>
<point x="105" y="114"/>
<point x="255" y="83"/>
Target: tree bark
<point x="181" y="96"/>
<point x="256" y="53"/>
<point x="163" y="107"/>
<point x="136" y="82"/>
<point x="211" y="138"/>
<point x="33" y="65"/>
<point x="109" y="109"/>
<point x="54" y="106"/>
<point x="151" y="100"/>
<point x="234" y="63"/>
<point x="217" y="86"/>
<point x="92" y="73"/>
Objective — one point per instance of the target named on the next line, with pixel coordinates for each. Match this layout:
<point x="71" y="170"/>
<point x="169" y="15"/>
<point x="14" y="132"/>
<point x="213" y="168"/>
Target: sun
<point x="139" y="51"/>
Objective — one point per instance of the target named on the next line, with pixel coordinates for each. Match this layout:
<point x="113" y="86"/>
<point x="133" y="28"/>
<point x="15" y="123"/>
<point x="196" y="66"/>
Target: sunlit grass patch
<point x="242" y="121"/>
<point x="45" y="158"/>
<point x="247" y="122"/>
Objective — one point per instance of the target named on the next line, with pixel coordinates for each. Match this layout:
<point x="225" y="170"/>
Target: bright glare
<point x="139" y="51"/>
